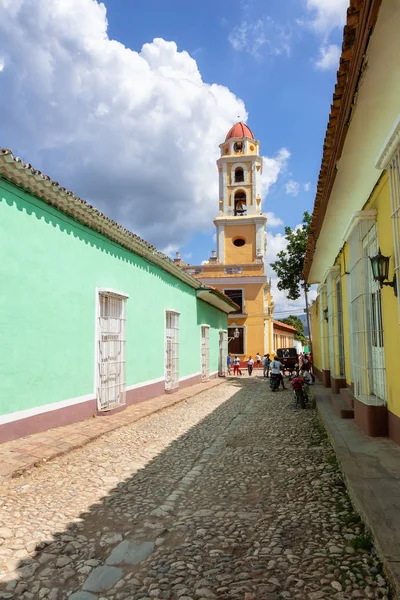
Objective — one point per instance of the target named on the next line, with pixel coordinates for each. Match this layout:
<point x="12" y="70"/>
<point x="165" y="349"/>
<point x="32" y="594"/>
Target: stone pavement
<point x="22" y="454"/>
<point x="234" y="494"/>
<point x="371" y="467"/>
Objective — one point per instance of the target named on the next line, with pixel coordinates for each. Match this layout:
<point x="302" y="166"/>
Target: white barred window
<point x="394" y="178"/>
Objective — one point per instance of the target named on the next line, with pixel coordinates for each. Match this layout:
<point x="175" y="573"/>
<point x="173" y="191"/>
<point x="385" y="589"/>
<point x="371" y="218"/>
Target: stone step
<point x="347" y="396"/>
<point x="341" y="407"/>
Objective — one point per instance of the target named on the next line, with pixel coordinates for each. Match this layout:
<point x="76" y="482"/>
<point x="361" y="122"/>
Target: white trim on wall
<point x="38" y="410"/>
<point x="135" y="386"/>
<point x="190" y="376"/>
<point x="233" y="281"/>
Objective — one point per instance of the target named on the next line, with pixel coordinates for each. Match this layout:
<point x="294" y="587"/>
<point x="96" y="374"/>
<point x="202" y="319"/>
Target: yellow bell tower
<point x="241" y="236"/>
<point x="237" y="266"/>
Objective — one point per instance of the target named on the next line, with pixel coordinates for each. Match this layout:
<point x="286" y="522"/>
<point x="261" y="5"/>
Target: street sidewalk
<point x="371" y="467"/>
<point x="24" y="453"/>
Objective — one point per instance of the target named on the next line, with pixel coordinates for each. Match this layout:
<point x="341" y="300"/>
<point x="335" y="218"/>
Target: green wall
<point x="50" y="268"/>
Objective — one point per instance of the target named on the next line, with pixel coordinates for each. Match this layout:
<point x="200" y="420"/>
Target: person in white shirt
<point x="276" y="367"/>
<point x="250" y="363"/>
<point x="258" y="360"/>
<point x="308" y="380"/>
<point x="236" y="365"/>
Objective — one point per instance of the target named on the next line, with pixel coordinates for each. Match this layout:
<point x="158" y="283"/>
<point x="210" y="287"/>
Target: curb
<point x="389" y="566"/>
<point x="19" y="471"/>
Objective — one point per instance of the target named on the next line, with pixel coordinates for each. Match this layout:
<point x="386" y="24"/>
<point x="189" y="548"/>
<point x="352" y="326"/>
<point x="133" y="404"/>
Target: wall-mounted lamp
<point x="325" y="311"/>
<point x="380" y="270"/>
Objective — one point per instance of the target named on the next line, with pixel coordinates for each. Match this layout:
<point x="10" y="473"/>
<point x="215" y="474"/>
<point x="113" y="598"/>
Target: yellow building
<point x="353" y="251"/>
<point x="237" y="266"/>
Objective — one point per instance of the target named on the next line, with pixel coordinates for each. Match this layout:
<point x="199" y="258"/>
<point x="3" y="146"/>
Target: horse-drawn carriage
<point x="289" y="359"/>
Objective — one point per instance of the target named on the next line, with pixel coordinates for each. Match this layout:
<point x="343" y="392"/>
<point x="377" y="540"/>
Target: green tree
<point x="289" y="263"/>
<point x="299" y="327"/>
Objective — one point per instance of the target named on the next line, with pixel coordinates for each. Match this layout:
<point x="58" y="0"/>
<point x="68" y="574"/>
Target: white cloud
<point x="134" y="133"/>
<point x="307" y="186"/>
<point x="276" y="243"/>
<point x="170" y="250"/>
<point x="260" y="37"/>
<point x="273" y="220"/>
<point x="329" y="56"/>
<point x="325" y="15"/>
<point x="272" y="168"/>
<point x="292" y="188"/>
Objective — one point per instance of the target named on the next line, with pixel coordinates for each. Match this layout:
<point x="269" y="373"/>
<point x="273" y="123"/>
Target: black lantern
<point x="380" y="270"/>
<point x="326" y="314"/>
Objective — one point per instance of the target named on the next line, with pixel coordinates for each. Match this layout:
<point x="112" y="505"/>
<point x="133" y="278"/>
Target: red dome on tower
<point x="240" y="130"/>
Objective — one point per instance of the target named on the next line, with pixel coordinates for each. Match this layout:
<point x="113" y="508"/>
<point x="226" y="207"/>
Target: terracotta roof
<point x="361" y="17"/>
<point x="284" y="325"/>
<point x="239" y="130"/>
<point x="23" y="175"/>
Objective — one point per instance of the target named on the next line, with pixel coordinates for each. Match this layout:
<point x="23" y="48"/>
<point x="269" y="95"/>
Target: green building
<point x="92" y="317"/>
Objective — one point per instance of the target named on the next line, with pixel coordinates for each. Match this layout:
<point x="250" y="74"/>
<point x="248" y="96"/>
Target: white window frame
<point x="389" y="159"/>
<point x="323" y="325"/>
<point x="99" y="291"/>
<point x="222" y="352"/>
<point x="359" y="234"/>
<point x="205" y="374"/>
<point x="175" y="382"/>
<point x="245" y="175"/>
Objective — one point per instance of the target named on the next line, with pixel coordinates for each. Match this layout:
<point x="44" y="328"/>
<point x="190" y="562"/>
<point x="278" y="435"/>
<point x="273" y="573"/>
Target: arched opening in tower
<point x="240" y="203"/>
<point x="239" y="175"/>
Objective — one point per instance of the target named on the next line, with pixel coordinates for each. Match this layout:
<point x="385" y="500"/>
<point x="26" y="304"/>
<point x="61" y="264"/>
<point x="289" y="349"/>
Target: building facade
<point x="236" y="268"/>
<point x="92" y="317"/>
<point x="283" y="335"/>
<point x="353" y="251"/>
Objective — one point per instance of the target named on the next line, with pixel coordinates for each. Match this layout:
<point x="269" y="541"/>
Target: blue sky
<point x="125" y="104"/>
<point x="286" y="96"/>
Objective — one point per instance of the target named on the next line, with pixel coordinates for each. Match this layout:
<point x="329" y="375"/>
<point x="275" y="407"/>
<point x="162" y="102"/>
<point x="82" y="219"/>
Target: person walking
<point x="305" y="363"/>
<point x="250" y="364"/>
<point x="276" y="366"/>
<point x="236" y="365"/>
<point x="228" y="363"/>
<point x="258" y="361"/>
<point x="266" y="363"/>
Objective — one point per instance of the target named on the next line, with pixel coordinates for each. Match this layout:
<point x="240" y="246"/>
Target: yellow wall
<point x="254" y="306"/>
<point x="240" y="255"/>
<point x="380" y="200"/>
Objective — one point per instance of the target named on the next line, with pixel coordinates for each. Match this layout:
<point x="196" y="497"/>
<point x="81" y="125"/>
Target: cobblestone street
<point x="231" y="494"/>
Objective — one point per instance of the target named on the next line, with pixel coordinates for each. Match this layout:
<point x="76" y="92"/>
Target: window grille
<point x="111" y="352"/>
<point x="330" y="294"/>
<point x="368" y="368"/>
<point x="205" y="352"/>
<point x="322" y="325"/>
<point x="171" y="350"/>
<point x="394" y="179"/>
<point x="341" y="365"/>
<point x="223" y="353"/>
